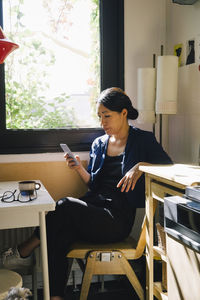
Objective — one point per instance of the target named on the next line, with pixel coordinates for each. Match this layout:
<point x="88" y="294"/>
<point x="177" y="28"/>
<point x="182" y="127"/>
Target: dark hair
<point x="116" y="99"/>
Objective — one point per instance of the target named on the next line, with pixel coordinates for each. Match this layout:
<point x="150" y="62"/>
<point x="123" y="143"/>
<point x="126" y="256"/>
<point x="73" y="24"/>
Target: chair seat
<point x="8" y="279"/>
<point x="80" y="249"/>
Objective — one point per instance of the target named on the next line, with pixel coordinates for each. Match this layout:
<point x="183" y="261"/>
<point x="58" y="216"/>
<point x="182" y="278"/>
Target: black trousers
<point x="92" y="218"/>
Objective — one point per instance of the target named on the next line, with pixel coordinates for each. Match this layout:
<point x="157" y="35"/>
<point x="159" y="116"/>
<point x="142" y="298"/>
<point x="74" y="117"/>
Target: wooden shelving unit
<point x="159" y="253"/>
<point x="161" y="181"/>
<point x="158" y="292"/>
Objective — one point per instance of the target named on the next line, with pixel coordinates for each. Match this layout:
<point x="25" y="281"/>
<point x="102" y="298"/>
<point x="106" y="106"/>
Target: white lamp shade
<point x="167" y="84"/>
<point x="146" y="93"/>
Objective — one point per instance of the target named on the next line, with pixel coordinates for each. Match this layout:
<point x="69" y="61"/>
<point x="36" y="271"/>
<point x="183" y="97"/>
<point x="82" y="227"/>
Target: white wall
<point x="183" y="23"/>
<point x="145" y="28"/>
<point x="144" y="34"/>
<point x="148" y="24"/>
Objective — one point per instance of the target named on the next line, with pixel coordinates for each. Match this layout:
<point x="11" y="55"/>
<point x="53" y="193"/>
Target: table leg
<point x="149" y="240"/>
<point x="43" y="241"/>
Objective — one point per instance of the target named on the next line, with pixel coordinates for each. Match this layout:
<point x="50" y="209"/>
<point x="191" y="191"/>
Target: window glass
<point x="53" y="78"/>
<point x="44" y="100"/>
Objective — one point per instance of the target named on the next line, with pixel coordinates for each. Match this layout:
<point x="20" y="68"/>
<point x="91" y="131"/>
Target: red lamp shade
<point x="6" y="46"/>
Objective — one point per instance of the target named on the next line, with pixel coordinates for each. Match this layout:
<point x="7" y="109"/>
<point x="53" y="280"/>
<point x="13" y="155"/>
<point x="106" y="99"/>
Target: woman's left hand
<point x="129" y="180"/>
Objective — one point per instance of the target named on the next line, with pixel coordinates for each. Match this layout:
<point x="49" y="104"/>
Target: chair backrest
<point x="142" y="238"/>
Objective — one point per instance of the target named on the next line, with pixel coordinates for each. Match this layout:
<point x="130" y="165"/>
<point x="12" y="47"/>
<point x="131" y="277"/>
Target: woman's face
<point x="111" y="121"/>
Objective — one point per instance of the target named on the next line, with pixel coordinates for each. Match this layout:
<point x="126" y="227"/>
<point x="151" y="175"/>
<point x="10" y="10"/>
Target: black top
<point x="141" y="146"/>
<point x="110" y="175"/>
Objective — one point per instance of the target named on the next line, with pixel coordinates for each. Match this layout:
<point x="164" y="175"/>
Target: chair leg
<point x="70" y="262"/>
<point x="87" y="277"/>
<point x="81" y="264"/>
<point x="132" y="277"/>
<point x="102" y="283"/>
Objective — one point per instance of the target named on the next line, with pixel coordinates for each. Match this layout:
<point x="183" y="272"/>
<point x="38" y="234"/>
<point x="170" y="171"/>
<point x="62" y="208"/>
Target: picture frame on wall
<point x="190" y="52"/>
<point x="178" y="50"/>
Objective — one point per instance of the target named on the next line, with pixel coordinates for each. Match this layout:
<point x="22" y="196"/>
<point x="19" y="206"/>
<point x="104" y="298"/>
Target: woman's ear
<point x="124" y="112"/>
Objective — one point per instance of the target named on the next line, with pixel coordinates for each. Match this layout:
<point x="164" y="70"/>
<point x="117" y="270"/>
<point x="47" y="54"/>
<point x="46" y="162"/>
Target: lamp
<point x="6" y="46"/>
<point x="146" y="93"/>
<point x="167" y="84"/>
<point x="157" y="90"/>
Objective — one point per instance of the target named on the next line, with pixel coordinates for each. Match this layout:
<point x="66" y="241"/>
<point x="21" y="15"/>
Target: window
<point x="49" y="85"/>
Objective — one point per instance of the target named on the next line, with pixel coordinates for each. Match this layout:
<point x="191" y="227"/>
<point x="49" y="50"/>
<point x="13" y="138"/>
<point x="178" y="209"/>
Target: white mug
<point x="29" y="186"/>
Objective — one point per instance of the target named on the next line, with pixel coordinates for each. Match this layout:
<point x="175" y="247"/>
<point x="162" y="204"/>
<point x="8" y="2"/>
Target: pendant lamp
<point x="146" y="90"/>
<point x="167" y="84"/>
<point x="6" y="46"/>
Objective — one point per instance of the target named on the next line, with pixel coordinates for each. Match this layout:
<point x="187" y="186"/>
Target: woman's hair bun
<point x="116" y="99"/>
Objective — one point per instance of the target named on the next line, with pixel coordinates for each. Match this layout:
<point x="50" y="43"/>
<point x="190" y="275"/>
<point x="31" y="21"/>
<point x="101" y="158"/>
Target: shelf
<point x="158" y="293"/>
<point x="158" y="252"/>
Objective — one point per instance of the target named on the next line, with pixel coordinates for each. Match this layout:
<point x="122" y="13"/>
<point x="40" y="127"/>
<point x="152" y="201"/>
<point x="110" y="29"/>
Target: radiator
<point x="12" y="237"/>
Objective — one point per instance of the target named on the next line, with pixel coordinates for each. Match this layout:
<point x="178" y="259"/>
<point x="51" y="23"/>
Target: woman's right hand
<point x="79" y="168"/>
<point x="71" y="163"/>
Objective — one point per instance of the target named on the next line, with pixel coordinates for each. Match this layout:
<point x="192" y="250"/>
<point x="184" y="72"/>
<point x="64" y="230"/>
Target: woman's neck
<point x="117" y="143"/>
<point x="122" y="135"/>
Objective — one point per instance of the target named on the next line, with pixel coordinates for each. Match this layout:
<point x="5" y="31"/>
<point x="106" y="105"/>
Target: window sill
<point x="58" y="156"/>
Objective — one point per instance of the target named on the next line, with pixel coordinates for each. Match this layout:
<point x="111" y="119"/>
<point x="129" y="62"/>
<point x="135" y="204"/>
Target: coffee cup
<point x="29" y="186"/>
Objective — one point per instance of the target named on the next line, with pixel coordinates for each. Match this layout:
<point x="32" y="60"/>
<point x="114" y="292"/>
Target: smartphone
<point x="68" y="151"/>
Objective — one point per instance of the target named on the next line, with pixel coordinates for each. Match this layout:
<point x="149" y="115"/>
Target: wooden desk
<point x="30" y="214"/>
<point x="159" y="182"/>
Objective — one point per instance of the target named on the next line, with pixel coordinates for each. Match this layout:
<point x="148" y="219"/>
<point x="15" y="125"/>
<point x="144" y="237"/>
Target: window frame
<point x="22" y="141"/>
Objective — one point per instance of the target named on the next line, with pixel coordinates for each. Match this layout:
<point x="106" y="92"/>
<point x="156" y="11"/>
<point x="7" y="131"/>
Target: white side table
<point x="29" y="214"/>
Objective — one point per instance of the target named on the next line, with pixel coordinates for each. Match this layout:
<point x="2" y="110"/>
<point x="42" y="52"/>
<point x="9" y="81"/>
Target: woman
<point x="116" y="188"/>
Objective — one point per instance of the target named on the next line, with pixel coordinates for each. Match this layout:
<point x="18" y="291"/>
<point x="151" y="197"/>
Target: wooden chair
<point x="110" y="259"/>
